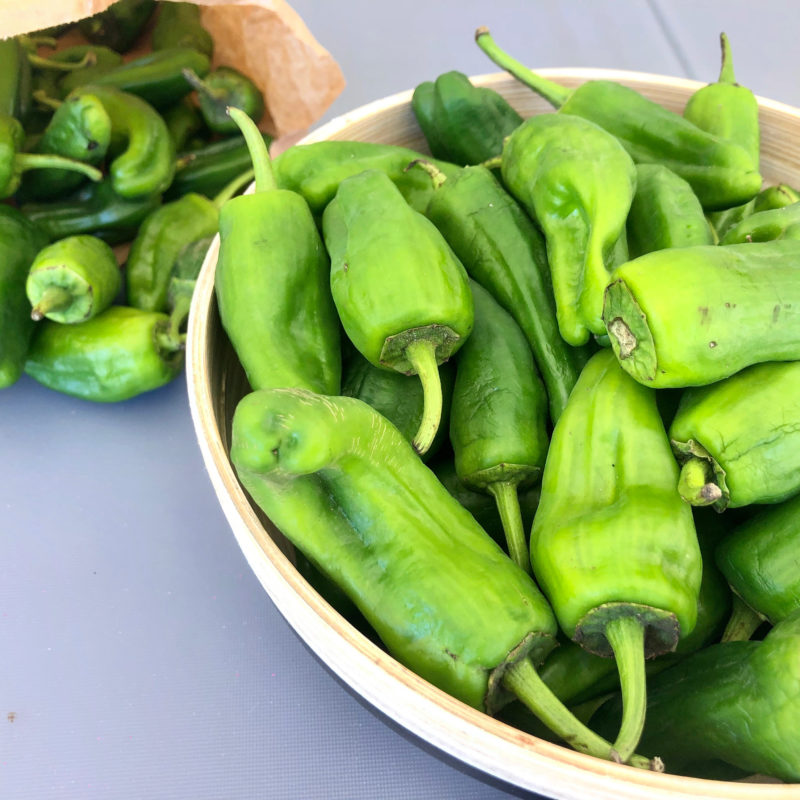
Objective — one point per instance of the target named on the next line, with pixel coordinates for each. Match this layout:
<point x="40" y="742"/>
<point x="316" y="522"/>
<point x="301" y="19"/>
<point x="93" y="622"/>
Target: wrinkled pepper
<point x="221" y="89"/>
<point x="402" y="295"/>
<point x="498" y="415"/>
<point x="179" y="25"/>
<point x="722" y="173"/>
<point x="613" y="546"/>
<point x="769" y="197"/>
<point x="738" y="439"/>
<point x="73" y="279"/>
<point x="577" y="182"/>
<point x="766" y="226"/>
<point x="693" y="316"/>
<point x="120" y="25"/>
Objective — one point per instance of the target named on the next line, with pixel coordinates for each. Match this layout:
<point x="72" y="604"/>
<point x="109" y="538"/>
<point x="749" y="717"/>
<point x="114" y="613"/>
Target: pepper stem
<point x="626" y="637"/>
<point x="259" y="154"/>
<point x="421" y="354"/>
<point x="178" y="316"/>
<point x="507" y="499"/>
<point x="53" y="298"/>
<point x="726" y="71"/>
<point x="199" y="85"/>
<point x="26" y="161"/>
<point x="233" y="187"/>
<point x="743" y="622"/>
<point x="437" y="176"/>
<point x="696" y="483"/>
<point x="89" y="60"/>
<point x="495" y="162"/>
<point x="41" y="97"/>
<point x="524" y="682"/>
<point x="168" y="339"/>
<point x="554" y="93"/>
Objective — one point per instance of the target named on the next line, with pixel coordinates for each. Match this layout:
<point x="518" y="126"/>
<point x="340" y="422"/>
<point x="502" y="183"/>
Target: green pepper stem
<point x="178" y="316"/>
<point x="495" y="162"/>
<point x="726" y="71"/>
<point x="31" y="41"/>
<point x="524" y="682"/>
<point x="168" y="338"/>
<point x="44" y="99"/>
<point x="262" y="165"/>
<point x="743" y="622"/>
<point x="53" y="298"/>
<point x="554" y="93"/>
<point x="89" y="60"/>
<point x="626" y="637"/>
<point x="437" y="176"/>
<point x="696" y="483"/>
<point x="26" y="161"/>
<point x="421" y="354"/>
<point x="507" y="499"/>
<point x="232" y="188"/>
<point x="199" y="85"/>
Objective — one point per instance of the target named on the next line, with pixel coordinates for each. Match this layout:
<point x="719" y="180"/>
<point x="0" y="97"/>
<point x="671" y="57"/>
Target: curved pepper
<point x="462" y="123"/>
<point x="223" y="88"/>
<point x="738" y="440"/>
<point x="696" y="315"/>
<point x="722" y="173"/>
<point x="577" y="182"/>
<point x="119" y="26"/>
<point x="179" y="25"/>
<point x="272" y="284"/>
<point x="402" y="295"/>
<point x="768" y="198"/>
<point x="737" y="702"/>
<point x="73" y="279"/>
<point x="766" y="226"/>
<point x="726" y="108"/>
<point x="20" y="240"/>
<point x="497" y="416"/>
<point x="347" y="489"/>
<point x="114" y="356"/>
<point x="613" y="546"/>
<point x="502" y="250"/>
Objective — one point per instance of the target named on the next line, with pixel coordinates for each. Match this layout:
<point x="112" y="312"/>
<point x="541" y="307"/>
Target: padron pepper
<point x="73" y="279"/>
<point x="738" y="439"/>
<point x="120" y="25"/>
<point x="183" y="278"/>
<point x="766" y="226"/>
<point x="722" y="173"/>
<point x="402" y="295"/>
<point x="463" y="123"/>
<point x="735" y="702"/>
<point x="183" y="122"/>
<point x="220" y="89"/>
<point x="179" y="25"/>
<point x="498" y="415"/>
<point x="577" y="182"/>
<point x="503" y="250"/>
<point x="768" y="198"/>
<point x="272" y="283"/>
<point x="613" y="546"/>
<point x="695" y="315"/>
<point x="341" y="482"/>
<point x="15" y="80"/>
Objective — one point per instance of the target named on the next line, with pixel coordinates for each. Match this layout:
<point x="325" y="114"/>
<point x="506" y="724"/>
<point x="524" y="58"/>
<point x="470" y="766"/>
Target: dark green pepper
<point x="613" y="546"/>
<point x="183" y="122"/>
<point x="738" y="439"/>
<point x="665" y="213"/>
<point x="114" y="356"/>
<point x="179" y="25"/>
<point x="577" y="182"/>
<point x="402" y="295"/>
<point x="272" y="284"/>
<point x="223" y="88"/>
<point x="15" y="80"/>
<point x="348" y="490"/>
<point x="502" y="250"/>
<point x="183" y="277"/>
<point x="766" y="226"/>
<point x="462" y="123"/>
<point x="693" y="316"/>
<point x="20" y="240"/>
<point x="120" y="25"/>
<point x="73" y="279"/>
<point x="722" y="173"/>
<point x="497" y="416"/>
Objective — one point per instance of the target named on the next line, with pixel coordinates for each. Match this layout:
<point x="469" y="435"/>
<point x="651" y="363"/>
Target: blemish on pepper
<point x="712" y="345"/>
<point x="704" y="313"/>
<point x="776" y="313"/>
<point x="625" y="337"/>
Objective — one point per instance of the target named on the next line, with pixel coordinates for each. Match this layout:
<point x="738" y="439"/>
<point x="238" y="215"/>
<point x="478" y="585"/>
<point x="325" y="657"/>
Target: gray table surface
<point x="140" y="656"/>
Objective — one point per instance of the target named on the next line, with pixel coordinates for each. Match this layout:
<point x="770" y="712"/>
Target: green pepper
<point x="13" y="162"/>
<point x="183" y="122"/>
<point x="665" y="213"/>
<point x="94" y="209"/>
<point x="120" y="25"/>
<point x="223" y="88"/>
<point x="316" y="170"/>
<point x="502" y="250"/>
<point x="114" y="356"/>
<point x="696" y="315"/>
<point x="613" y="546"/>
<point x="179" y="25"/>
<point x="577" y="182"/>
<point x="182" y="280"/>
<point x="15" y="80"/>
<point x="497" y="416"/>
<point x="769" y="197"/>
<point x="398" y="397"/>
<point x="766" y="226"/>
<point x="20" y="240"/>
<point x="73" y="279"/>
<point x="722" y="173"/>
<point x="738" y="439"/>
<point x="737" y="702"/>
<point x="156" y="77"/>
<point x="341" y="482"/>
<point x="402" y="295"/>
<point x="761" y="561"/>
<point x="143" y="159"/>
<point x="272" y="283"/>
<point x="100" y="56"/>
<point x="463" y="123"/>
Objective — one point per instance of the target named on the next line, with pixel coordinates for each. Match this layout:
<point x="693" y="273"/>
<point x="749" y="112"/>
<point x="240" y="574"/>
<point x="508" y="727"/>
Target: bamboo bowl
<point x="216" y="383"/>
